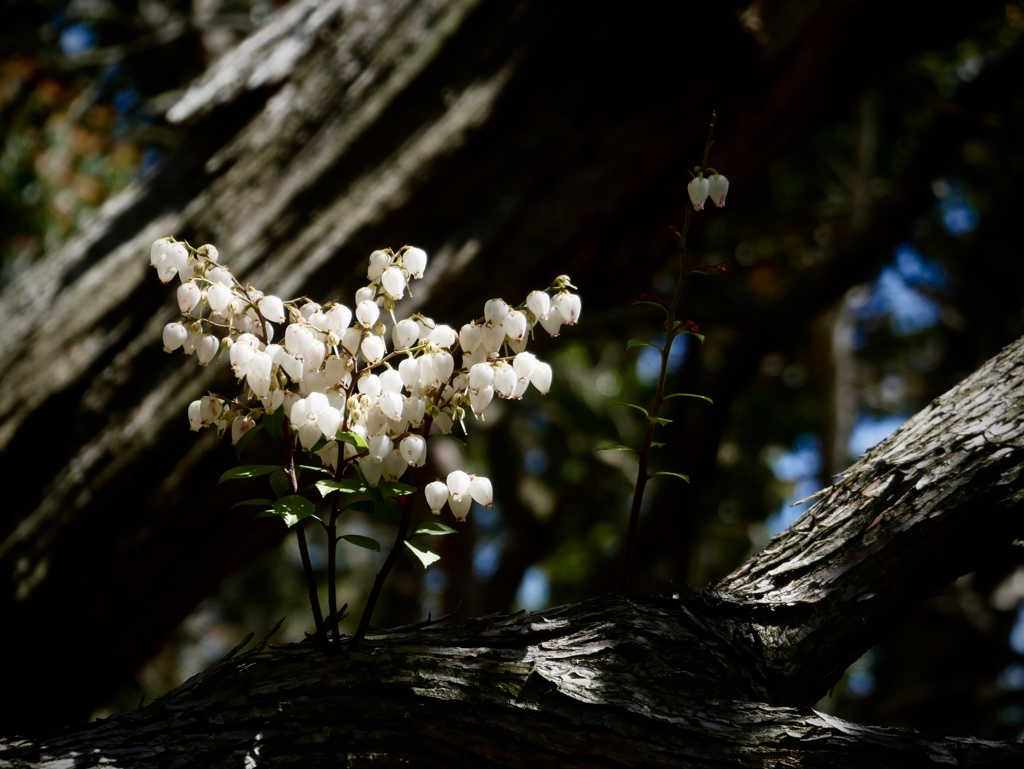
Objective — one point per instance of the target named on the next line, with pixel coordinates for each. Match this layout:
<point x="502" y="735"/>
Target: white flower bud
<point x="436" y="494"/>
<point x="470" y="337"/>
<point x="207" y="349"/>
<point x="218" y="296"/>
<point x="175" y="335"/>
<point x="391" y="404"/>
<point x="409" y="371"/>
<point x="481" y="375"/>
<point x="480" y="399"/>
<point x="514" y="325"/>
<point x="460" y="507"/>
<point x="367" y="313"/>
<point x="415" y="261"/>
<point x="272" y="308"/>
<point x="568" y="306"/>
<point x="458" y="484"/>
<point x="380" y="446"/>
<point x="523" y="364"/>
<point x="394" y="465"/>
<point x="414" y="450"/>
<point x="495" y="311"/>
<point x="442" y="336"/>
<point x="480" y="490"/>
<point x="405" y="334"/>
<point x="379" y="261"/>
<point x="505" y="380"/>
<point x="698" y="190"/>
<point x="538" y="303"/>
<point x="373" y="348"/>
<point x="339" y="317"/>
<point x="718" y="188"/>
<point x="540" y="377"/>
<point x="189" y="296"/>
<point x="393" y="282"/>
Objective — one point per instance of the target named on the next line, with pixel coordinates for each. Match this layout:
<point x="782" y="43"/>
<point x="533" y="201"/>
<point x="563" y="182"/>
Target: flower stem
<point x="300" y="534"/>
<point x="405" y="508"/>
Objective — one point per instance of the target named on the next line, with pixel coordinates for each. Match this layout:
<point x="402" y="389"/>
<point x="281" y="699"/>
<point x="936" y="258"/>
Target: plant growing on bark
<point x="353" y="414"/>
<point x="700" y="188"/>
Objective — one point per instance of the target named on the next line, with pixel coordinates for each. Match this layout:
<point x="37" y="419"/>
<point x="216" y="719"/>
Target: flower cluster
<point x="700" y="188"/>
<point x="349" y="395"/>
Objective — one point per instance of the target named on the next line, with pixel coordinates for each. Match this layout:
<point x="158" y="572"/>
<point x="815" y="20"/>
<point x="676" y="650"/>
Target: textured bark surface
<point x="723" y="677"/>
<point x="514" y="141"/>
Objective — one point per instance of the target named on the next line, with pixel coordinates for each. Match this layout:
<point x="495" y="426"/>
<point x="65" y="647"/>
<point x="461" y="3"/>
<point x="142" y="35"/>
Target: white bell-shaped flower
<point x="540" y="377"/>
<point x="492" y="338"/>
<point x="460" y="507"/>
<point x="380" y="446"/>
<point x="436" y="494"/>
<point x="718" y="188"/>
<point x="391" y="381"/>
<point x="409" y="371"/>
<point x="258" y="374"/>
<point x="698" y="190"/>
<point x="414" y="410"/>
<point x="379" y="261"/>
<point x="405" y="334"/>
<point x="339" y="317"/>
<point x="443" y="336"/>
<point x="393" y="282"/>
<point x="391" y="404"/>
<point x="458" y="484"/>
<point x="481" y="375"/>
<point x="514" y="325"/>
<point x="272" y="308"/>
<point x="218" y="296"/>
<point x="495" y="311"/>
<point x="369" y="384"/>
<point x="367" y="313"/>
<point x="538" y="303"/>
<point x="523" y="364"/>
<point x="195" y="422"/>
<point x="365" y="294"/>
<point x="222" y="276"/>
<point x="443" y="364"/>
<point x="240" y="426"/>
<point x="415" y="261"/>
<point x="414" y="450"/>
<point x="505" y="380"/>
<point x="372" y="469"/>
<point x="480" y="399"/>
<point x="207" y="349"/>
<point x="168" y="257"/>
<point x="470" y="337"/>
<point x="480" y="490"/>
<point x="552" y="323"/>
<point x="373" y="349"/>
<point x="568" y="306"/>
<point x="175" y="335"/>
<point x="189" y="296"/>
<point x="394" y="465"/>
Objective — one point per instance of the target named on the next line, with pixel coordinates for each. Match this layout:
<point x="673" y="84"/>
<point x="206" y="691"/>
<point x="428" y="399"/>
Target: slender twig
<point x="332" y="564"/>
<point x="405" y="508"/>
<point x="644" y="452"/>
<point x="307" y="566"/>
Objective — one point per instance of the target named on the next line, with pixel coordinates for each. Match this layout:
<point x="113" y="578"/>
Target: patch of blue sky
<point x="76" y="39"/>
<point x="895" y="293"/>
<point x="800" y="465"/>
<point x="869" y="431"/>
<point x="534" y="591"/>
<point x="648" y="361"/>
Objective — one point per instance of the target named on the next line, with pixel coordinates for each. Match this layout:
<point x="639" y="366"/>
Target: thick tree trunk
<point x="513" y="140"/>
<point x="723" y="677"/>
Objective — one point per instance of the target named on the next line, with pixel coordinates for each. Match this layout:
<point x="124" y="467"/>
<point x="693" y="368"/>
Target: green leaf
<point x="253" y="503"/>
<point x="629" y="406"/>
<point x="614" y="447"/>
<point x="656" y="444"/>
<point x="293" y="509"/>
<point x="392" y="489"/>
<point x="347" y="486"/>
<point x="280" y="482"/>
<point x="247" y="471"/>
<point x="425" y="556"/>
<point x="690" y="395"/>
<point x="659" y="421"/>
<point x="641" y="343"/>
<point x="273" y="423"/>
<point x="434" y="530"/>
<point x="671" y="475"/>
<point x="246" y="437"/>
<point x="360" y="541"/>
<point x="698" y="337"/>
<point x="353" y="439"/>
<point x="316" y="469"/>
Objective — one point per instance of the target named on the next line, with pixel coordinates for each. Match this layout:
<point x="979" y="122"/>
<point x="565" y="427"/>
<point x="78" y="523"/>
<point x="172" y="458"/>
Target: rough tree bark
<point x="710" y="678"/>
<point x="543" y="136"/>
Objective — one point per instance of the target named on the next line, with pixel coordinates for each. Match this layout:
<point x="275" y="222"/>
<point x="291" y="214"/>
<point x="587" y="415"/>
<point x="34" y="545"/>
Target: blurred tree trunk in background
<point x="512" y="140"/>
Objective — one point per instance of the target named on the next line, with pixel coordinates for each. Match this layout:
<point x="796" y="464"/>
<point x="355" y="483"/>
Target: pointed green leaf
<point x="434" y="529"/>
<point x="247" y="471"/>
<point x="629" y="406"/>
<point x="659" y="421"/>
<point x="614" y="447"/>
<point x="347" y="486"/>
<point x="280" y="483"/>
<point x="316" y="469"/>
<point x="641" y="343"/>
<point x="690" y="395"/>
<point x="360" y="541"/>
<point x="425" y="556"/>
<point x="354" y="439"/>
<point x="656" y="444"/>
<point x="672" y="475"/>
<point x="391" y="489"/>
<point x="253" y="503"/>
<point x="698" y="337"/>
<point x="246" y="437"/>
<point x="293" y="509"/>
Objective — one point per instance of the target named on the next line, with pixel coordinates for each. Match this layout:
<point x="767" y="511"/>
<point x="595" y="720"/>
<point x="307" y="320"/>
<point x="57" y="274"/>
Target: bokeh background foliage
<point x="873" y="249"/>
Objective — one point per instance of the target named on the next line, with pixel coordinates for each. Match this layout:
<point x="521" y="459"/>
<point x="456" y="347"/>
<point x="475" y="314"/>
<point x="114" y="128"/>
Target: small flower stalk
<point x="361" y="400"/>
<point x="706" y="183"/>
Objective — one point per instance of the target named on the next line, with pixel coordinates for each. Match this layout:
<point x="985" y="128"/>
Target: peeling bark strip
<point x="716" y="678"/>
<point x="612" y="682"/>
